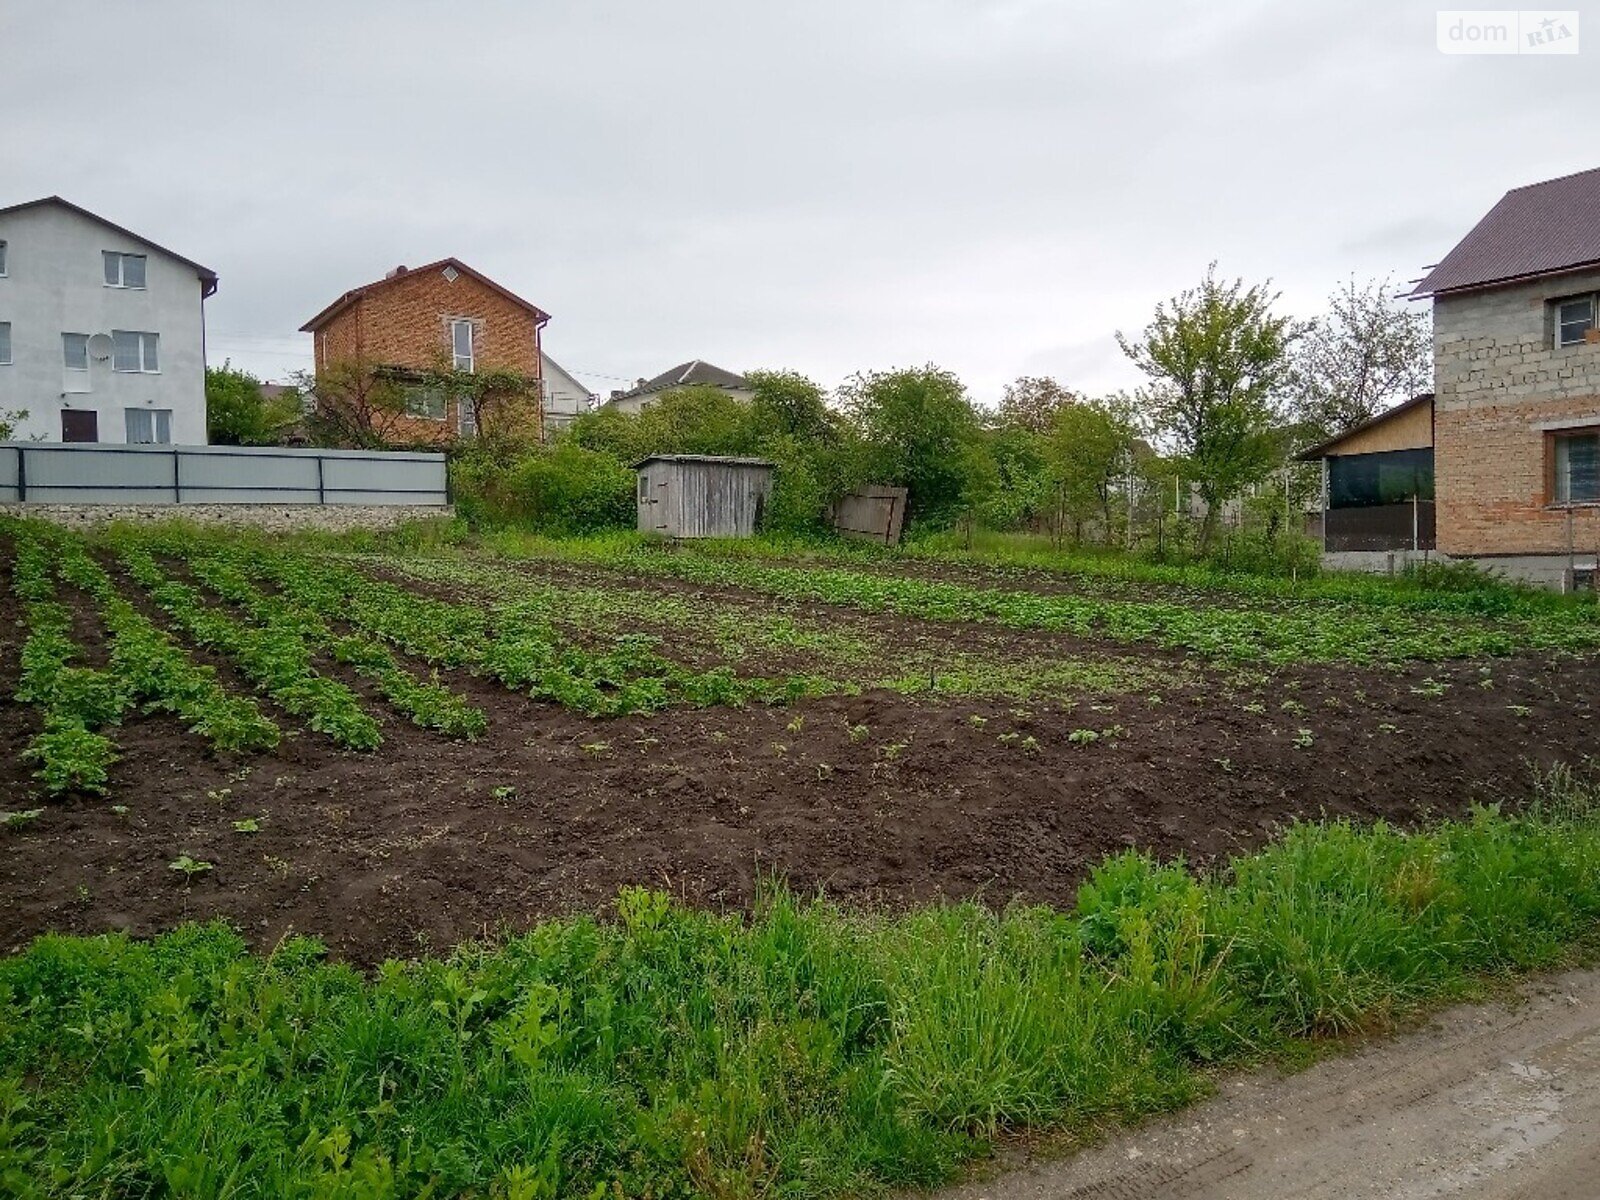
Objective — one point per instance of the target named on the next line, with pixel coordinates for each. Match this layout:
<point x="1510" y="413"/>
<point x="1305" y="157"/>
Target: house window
<point x="75" y="360"/>
<point x="123" y="270"/>
<point x="466" y="417"/>
<point x="1577" y="467"/>
<point x="149" y="426"/>
<point x="2" y="256"/>
<point x="5" y="343"/>
<point x="133" y="352"/>
<point x="425" y="402"/>
<point x="461" y="344"/>
<point x="1575" y="318"/>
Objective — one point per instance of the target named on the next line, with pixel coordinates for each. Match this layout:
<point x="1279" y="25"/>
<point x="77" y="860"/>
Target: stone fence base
<point x="331" y="517"/>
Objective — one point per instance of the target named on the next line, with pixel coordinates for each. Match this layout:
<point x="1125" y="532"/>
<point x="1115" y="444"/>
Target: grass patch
<point x="803" y="1051"/>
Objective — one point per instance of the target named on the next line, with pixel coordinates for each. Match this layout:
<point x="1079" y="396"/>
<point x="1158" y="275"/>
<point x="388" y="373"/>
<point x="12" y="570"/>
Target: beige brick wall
<point x="1500" y="386"/>
<point x="405" y="322"/>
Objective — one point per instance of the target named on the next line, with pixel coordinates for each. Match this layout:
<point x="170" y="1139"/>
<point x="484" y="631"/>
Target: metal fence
<point x="1408" y="526"/>
<point x="101" y="473"/>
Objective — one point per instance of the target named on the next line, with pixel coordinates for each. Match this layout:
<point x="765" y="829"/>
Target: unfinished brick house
<point x="1503" y="460"/>
<point x="415" y="320"/>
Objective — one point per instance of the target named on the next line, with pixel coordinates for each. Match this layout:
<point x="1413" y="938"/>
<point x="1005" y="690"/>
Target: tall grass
<point x="804" y="1050"/>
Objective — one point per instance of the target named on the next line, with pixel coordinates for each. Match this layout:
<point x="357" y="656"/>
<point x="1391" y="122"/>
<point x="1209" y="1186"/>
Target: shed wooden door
<point x="80" y="425"/>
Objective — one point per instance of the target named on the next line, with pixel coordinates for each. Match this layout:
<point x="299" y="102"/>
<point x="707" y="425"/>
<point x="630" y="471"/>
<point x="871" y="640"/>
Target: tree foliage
<point x="1031" y="403"/>
<point x="1215" y="357"/>
<point x="1089" y="453"/>
<point x="917" y="426"/>
<point x="1363" y="355"/>
<point x="238" y="413"/>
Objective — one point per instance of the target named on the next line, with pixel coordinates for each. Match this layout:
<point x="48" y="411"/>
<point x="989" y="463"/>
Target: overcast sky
<point x="996" y="187"/>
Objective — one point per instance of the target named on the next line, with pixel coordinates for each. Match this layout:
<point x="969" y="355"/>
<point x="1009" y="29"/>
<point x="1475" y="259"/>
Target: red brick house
<point x="1508" y="445"/>
<point x="415" y="320"/>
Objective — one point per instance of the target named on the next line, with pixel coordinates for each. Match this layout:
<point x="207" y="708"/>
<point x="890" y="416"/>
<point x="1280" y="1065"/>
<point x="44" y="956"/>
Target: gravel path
<point x="1488" y="1101"/>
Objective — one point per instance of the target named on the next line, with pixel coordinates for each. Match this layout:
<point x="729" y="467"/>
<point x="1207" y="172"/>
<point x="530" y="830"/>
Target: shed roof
<point x="730" y="459"/>
<point x="208" y="277"/>
<point x="395" y="276"/>
<point x="1540" y="229"/>
<point x="1323" y="449"/>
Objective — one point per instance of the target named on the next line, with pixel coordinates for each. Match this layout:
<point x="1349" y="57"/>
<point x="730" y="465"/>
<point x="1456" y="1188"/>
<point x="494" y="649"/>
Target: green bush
<point x="565" y="489"/>
<point x="802" y="1051"/>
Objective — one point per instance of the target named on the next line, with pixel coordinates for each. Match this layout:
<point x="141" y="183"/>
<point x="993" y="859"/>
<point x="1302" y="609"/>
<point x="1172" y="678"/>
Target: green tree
<point x="916" y="425"/>
<point x="1089" y="451"/>
<point x="238" y="413"/>
<point x="354" y="405"/>
<point x="9" y="419"/>
<point x="786" y="402"/>
<point x="1363" y="355"/>
<point x="1215" y="357"/>
<point x="1031" y="404"/>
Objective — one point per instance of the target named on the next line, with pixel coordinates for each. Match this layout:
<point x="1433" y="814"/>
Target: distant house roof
<point x="732" y="459"/>
<point x="399" y="273"/>
<point x="208" y="277"/>
<point x="689" y="374"/>
<point x="1541" y="229"/>
<point x="1323" y="449"/>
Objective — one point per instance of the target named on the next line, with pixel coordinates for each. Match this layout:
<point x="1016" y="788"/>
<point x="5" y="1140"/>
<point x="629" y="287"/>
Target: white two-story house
<point x="102" y="332"/>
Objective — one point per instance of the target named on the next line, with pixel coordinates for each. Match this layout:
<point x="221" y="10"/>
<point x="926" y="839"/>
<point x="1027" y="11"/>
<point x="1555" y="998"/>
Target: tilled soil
<point x="876" y="798"/>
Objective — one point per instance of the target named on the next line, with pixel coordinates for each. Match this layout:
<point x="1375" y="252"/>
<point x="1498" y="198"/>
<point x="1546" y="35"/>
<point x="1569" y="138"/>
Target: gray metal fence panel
<point x="10" y="473"/>
<point x="53" y="473"/>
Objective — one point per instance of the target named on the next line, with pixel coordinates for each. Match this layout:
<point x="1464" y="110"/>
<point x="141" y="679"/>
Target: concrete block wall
<point x="1500" y="386"/>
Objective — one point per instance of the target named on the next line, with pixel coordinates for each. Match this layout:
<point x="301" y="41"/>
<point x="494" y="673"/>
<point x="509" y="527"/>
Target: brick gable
<point x="404" y="321"/>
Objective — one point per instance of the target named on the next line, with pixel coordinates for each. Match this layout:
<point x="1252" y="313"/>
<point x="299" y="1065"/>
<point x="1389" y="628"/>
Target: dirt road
<point x="1488" y="1101"/>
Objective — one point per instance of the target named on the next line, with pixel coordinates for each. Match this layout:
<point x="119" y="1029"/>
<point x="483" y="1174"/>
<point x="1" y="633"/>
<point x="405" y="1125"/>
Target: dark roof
<point x="354" y="294"/>
<point x="1541" y="229"/>
<point x="208" y="277"/>
<point x="689" y="374"/>
<point x="734" y="459"/>
<point x="1320" y="450"/>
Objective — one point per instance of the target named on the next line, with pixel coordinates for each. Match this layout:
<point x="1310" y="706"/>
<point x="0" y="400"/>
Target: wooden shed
<point x="701" y="495"/>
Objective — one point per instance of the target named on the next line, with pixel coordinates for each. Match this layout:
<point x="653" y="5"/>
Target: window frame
<point x="1554" y="439"/>
<point x="472" y="345"/>
<point x="149" y="344"/>
<point x="66" y="362"/>
<point x="122" y="257"/>
<point x="5" y="258"/>
<point x="160" y="424"/>
<point x="421" y="389"/>
<point x="1557" y="324"/>
<point x="5" y="344"/>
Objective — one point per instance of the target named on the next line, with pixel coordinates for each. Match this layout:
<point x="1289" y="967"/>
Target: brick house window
<point x="461" y="345"/>
<point x="1577" y="467"/>
<point x="123" y="270"/>
<point x="1575" y="320"/>
<point x="428" y="403"/>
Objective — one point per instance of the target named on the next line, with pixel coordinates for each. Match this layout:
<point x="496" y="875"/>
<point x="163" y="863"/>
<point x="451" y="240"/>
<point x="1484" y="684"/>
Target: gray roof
<point x="733" y="459"/>
<point x="1541" y="229"/>
<point x="687" y="374"/>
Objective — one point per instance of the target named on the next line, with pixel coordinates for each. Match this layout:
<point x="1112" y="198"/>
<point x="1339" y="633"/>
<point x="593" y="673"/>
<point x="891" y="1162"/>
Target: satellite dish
<point x="100" y="346"/>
